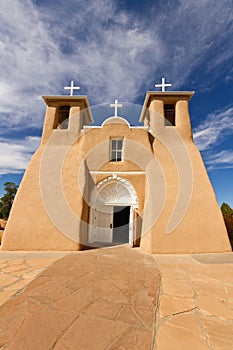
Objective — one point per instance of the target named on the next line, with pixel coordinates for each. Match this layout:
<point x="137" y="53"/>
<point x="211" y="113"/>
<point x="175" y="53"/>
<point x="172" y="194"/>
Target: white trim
<point x="131" y="225"/>
<point x="132" y="203"/>
<point x="117" y="150"/>
<point x="136" y="172"/>
<point x="100" y="126"/>
<point x="126" y="183"/>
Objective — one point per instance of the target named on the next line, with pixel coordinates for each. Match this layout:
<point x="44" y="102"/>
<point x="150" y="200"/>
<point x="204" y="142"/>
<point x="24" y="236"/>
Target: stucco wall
<point x="51" y="208"/>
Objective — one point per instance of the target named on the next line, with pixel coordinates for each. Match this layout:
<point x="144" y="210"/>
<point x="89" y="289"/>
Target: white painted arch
<point x="115" y="190"/>
<point x="110" y="192"/>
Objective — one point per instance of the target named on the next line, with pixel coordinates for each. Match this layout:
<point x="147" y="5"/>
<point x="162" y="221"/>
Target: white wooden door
<point x="103" y="223"/>
<point x="131" y="226"/>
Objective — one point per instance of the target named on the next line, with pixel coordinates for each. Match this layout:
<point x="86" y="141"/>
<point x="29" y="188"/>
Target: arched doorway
<point x="111" y="221"/>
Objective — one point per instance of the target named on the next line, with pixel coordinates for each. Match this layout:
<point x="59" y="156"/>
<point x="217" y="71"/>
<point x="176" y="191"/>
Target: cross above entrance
<point x="116" y="105"/>
<point x="163" y="85"/>
<point x="72" y="88"/>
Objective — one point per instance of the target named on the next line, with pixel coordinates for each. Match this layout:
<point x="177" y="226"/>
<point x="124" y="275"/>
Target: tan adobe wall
<point x="51" y="208"/>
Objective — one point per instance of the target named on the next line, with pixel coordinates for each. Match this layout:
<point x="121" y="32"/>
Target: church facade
<point x="91" y="186"/>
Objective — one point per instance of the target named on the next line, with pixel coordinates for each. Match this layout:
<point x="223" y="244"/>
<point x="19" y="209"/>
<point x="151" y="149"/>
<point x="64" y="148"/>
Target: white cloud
<point x="16" y="154"/>
<point x="214" y="128"/>
<point x="220" y="160"/>
<point x="110" y="52"/>
<point x="209" y="135"/>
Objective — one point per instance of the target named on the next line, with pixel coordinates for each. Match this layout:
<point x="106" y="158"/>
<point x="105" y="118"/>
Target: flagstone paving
<point x="18" y="269"/>
<point x="96" y="299"/>
<point x="195" y="306"/>
<point x="116" y="298"/>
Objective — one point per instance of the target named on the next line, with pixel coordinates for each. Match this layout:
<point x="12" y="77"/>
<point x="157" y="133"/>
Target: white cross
<point x="163" y="85"/>
<point x="72" y="88"/>
<point x="116" y="105"/>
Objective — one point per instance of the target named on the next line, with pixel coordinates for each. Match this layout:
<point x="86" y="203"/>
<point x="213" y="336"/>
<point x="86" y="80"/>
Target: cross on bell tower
<point x="72" y="88"/>
<point x="163" y="85"/>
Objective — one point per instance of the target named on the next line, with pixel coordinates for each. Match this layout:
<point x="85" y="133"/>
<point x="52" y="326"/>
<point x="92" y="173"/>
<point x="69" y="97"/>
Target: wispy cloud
<point x="110" y="51"/>
<point x="15" y="155"/>
<point x="214" y="128"/>
<point x="220" y="160"/>
<point x="210" y="134"/>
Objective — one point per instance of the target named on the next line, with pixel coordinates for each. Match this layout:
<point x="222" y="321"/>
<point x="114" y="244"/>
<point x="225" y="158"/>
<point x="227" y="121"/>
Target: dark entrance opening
<point x="121" y="224"/>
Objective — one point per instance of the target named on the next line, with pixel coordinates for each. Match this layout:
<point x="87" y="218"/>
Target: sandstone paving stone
<point x="220" y="268"/>
<point x="104" y="309"/>
<point x="11" y="321"/>
<point x="213" y="287"/>
<point x="212" y="275"/>
<point x="143" y="298"/>
<point x="71" y="306"/>
<point x="53" y="289"/>
<point x="50" y="286"/>
<point x="173" y="272"/>
<point x="73" y="285"/>
<point x="230" y="303"/>
<point x="171" y="286"/>
<point x="16" y="286"/>
<point x="128" y="316"/>
<point x="118" y="289"/>
<point x="146" y="315"/>
<point x="94" y="333"/>
<point x="39" y="263"/>
<point x="59" y="347"/>
<point x="6" y="279"/>
<point x="212" y="306"/>
<point x="229" y="290"/>
<point x="173" y="305"/>
<point x="4" y="295"/>
<point x="222" y="272"/>
<point x="181" y="332"/>
<point x="120" y="297"/>
<point x="134" y="339"/>
<point x="220" y="333"/>
<point x="106" y="285"/>
<point x="40" y="329"/>
<point x="76" y="301"/>
<point x="31" y="275"/>
<point x="38" y="303"/>
<point x="14" y="268"/>
<point x="15" y="262"/>
<point x="25" y="270"/>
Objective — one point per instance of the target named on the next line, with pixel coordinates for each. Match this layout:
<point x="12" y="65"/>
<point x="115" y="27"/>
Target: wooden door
<point x="103" y="223"/>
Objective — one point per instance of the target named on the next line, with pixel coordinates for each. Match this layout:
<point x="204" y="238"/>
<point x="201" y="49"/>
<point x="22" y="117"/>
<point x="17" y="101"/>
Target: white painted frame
<point x="122" y="149"/>
<point x="133" y="204"/>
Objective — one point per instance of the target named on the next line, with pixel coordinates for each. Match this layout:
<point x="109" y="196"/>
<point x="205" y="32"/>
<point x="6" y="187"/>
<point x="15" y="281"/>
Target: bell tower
<point x="190" y="219"/>
<point x="65" y="115"/>
<point x="163" y="110"/>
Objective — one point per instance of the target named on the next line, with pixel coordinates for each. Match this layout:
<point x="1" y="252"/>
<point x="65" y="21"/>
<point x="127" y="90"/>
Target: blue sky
<point x="117" y="49"/>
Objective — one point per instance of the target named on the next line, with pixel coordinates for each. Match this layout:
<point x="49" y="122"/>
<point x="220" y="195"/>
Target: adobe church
<point x="97" y="186"/>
